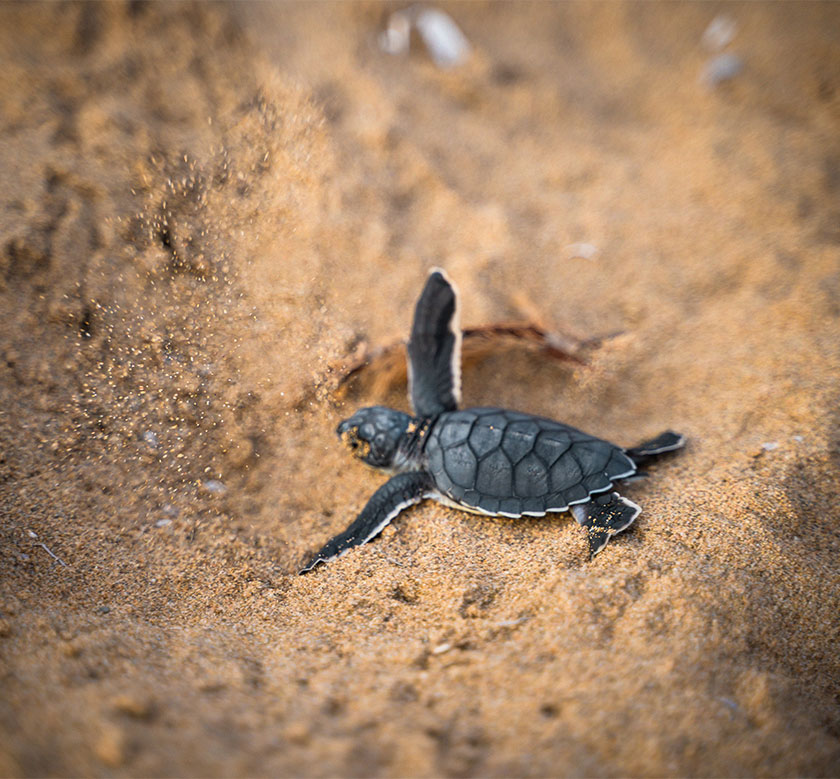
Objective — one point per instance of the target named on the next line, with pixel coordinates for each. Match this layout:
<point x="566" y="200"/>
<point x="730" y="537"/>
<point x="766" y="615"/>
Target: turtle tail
<point x="662" y="444"/>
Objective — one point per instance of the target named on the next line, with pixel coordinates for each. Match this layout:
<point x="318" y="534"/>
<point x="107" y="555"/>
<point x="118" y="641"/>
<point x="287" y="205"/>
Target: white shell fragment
<point x="444" y="41"/>
<point x="443" y="38"/>
<point x="511" y="623"/>
<point x="723" y="67"/>
<point x="585" y="251"/>
<point x="720" y="32"/>
<point x="396" y="37"/>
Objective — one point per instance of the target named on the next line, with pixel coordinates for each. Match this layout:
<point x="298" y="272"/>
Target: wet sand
<point x="208" y="212"/>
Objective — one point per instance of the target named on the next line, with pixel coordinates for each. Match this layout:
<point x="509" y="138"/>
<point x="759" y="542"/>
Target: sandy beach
<point x="211" y="213"/>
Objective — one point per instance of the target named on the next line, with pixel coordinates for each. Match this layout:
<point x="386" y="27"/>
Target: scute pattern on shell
<point x="510" y="463"/>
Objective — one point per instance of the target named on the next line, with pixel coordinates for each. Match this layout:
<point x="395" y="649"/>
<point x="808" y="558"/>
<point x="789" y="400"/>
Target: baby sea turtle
<point x="483" y="460"/>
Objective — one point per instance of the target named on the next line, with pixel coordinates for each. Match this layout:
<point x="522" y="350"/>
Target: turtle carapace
<point x="483" y="460"/>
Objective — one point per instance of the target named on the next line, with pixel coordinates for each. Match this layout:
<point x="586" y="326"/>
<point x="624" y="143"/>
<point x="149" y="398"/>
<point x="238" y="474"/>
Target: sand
<point x="209" y="212"/>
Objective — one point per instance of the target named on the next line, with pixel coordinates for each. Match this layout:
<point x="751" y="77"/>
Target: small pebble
<point x="441" y="648"/>
<point x="721" y="68"/>
<point x="169" y="510"/>
<point x="585" y="251"/>
<point x="138" y="708"/>
<point x="150" y="437"/>
<point x="770" y="446"/>
<point x="163" y="522"/>
<point x="799" y="439"/>
<point x="730" y="704"/>
<point x="215" y="486"/>
<point x="297" y="733"/>
<point x="110" y="746"/>
<point x="103" y="610"/>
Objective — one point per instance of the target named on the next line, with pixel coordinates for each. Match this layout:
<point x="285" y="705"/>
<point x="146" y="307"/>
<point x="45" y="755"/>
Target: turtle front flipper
<point x="604" y="516"/>
<point x="434" y="349"/>
<point x="390" y="499"/>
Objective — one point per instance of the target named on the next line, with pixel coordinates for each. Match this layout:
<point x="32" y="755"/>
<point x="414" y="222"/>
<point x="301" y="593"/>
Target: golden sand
<point x="206" y="209"/>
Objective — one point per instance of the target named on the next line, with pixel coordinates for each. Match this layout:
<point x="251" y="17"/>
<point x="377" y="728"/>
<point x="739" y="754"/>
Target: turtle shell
<point x="505" y="462"/>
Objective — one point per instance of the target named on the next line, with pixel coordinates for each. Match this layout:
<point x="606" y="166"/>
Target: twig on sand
<point x="54" y="556"/>
<point x="478" y="342"/>
<point x="43" y="546"/>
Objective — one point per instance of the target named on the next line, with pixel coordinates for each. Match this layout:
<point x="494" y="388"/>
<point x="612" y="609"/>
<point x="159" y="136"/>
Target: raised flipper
<point x="664" y="442"/>
<point x="434" y="349"/>
<point x="390" y="499"/>
<point x="603" y="516"/>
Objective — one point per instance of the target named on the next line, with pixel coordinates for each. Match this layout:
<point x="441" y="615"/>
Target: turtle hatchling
<point x="483" y="460"/>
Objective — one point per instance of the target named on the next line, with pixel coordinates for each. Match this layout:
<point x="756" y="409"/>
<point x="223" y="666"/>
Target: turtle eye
<point x="379" y="442"/>
<point x="351" y="439"/>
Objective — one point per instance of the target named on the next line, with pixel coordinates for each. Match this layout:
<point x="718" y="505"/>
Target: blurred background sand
<point x="208" y="211"/>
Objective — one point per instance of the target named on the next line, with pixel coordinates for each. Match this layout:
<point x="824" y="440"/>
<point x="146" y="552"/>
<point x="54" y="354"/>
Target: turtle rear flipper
<point x="664" y="442"/>
<point x="604" y="516"/>
<point x="434" y="349"/>
<point x="390" y="499"/>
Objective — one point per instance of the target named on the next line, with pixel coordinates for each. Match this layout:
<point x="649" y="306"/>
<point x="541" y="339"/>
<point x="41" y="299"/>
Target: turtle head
<point x="374" y="435"/>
